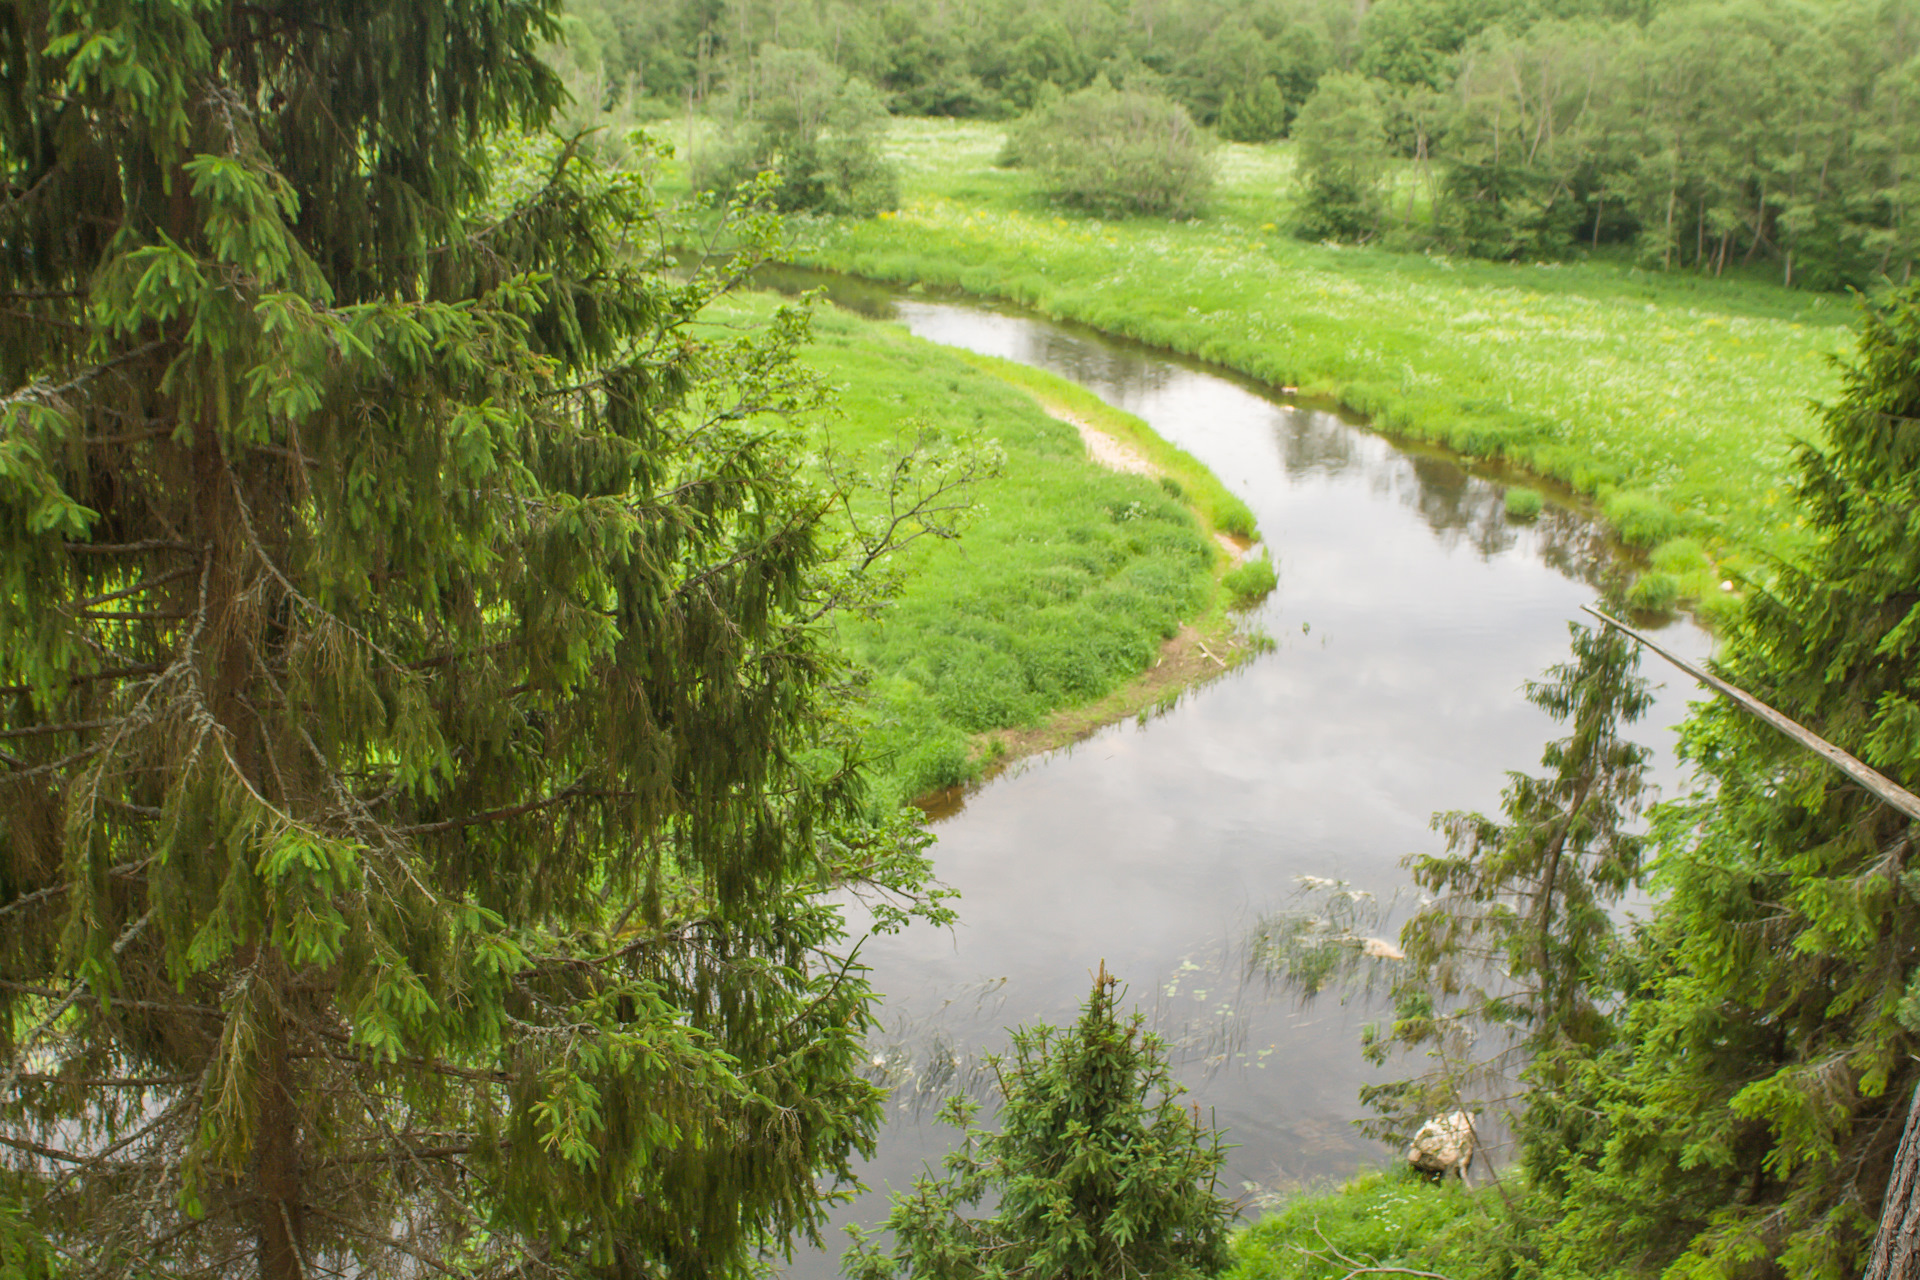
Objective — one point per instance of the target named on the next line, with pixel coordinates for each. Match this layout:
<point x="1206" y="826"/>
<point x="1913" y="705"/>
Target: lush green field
<point x="1673" y="401"/>
<point x="1067" y="580"/>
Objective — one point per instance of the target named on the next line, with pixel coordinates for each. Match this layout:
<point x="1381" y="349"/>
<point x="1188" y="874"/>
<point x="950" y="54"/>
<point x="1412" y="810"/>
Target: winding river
<point x="1410" y="612"/>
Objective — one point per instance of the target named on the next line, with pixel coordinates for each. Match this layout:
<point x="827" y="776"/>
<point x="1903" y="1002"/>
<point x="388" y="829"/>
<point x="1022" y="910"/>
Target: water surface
<point x="1410" y="613"/>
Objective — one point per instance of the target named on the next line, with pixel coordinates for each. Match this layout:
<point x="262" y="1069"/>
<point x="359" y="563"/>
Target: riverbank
<point x="1671" y="402"/>
<point x="1077" y="594"/>
<point x="1393" y="1220"/>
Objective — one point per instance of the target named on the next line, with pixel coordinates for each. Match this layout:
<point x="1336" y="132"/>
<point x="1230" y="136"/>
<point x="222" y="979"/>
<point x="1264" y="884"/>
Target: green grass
<point x="1190" y="481"/>
<point x="1389" y="1220"/>
<point x="1063" y="587"/>
<point x="1673" y="402"/>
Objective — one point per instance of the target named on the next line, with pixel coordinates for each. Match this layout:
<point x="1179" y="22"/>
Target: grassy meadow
<point x="1068" y="582"/>
<point x="1672" y="402"/>
<point x="1392" y="1220"/>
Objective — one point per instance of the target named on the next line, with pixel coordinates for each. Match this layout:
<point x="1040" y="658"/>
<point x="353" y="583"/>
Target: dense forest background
<point x="1775" y="135"/>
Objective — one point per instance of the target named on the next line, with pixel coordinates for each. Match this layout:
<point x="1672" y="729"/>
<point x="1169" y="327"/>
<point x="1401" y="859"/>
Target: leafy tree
<point x="1342" y="150"/>
<point x="1519" y="148"/>
<point x="1411" y="43"/>
<point x="1098" y="1171"/>
<point x="816" y="127"/>
<point x="1115" y="151"/>
<point x="417" y="758"/>
<point x="1260" y="116"/>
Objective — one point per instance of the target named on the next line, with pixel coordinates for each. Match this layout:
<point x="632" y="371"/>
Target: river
<point x="1409" y="614"/>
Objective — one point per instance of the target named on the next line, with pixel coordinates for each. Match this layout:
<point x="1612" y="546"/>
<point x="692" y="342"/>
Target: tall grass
<point x="1674" y="402"/>
<point x="1393" y="1221"/>
<point x="1065" y="584"/>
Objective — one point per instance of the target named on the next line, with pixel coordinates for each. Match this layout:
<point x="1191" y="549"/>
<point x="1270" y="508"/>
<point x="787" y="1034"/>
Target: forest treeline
<point x="1770" y="134"/>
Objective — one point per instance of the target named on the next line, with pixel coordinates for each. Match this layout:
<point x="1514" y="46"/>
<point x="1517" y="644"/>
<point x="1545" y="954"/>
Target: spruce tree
<point x="1097" y="1172"/>
<point x="416" y="756"/>
<point x="1753" y="1104"/>
<point x="1510" y="959"/>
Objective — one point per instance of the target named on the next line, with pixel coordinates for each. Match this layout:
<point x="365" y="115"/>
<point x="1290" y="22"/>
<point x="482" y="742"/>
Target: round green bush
<point x="1117" y="151"/>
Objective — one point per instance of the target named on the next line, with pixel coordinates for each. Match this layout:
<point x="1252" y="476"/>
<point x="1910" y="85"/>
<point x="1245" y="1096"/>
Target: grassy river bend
<point x="1409" y="613"/>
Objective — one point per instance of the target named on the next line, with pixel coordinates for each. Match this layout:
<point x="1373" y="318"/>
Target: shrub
<point x="1235" y="518"/>
<point x="1257" y="116"/>
<point x="935" y="762"/>
<point x="1342" y="137"/>
<point x="1117" y="151"/>
<point x="1680" y="556"/>
<point x="798" y="116"/>
<point x="1523" y="503"/>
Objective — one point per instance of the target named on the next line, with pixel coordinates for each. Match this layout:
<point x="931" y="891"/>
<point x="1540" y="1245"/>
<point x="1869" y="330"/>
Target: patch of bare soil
<point x="1109" y="451"/>
<point x="1237" y="549"/>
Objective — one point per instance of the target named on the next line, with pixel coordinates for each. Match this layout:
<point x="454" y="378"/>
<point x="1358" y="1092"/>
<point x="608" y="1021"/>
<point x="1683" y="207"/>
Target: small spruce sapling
<point x="1098" y="1170"/>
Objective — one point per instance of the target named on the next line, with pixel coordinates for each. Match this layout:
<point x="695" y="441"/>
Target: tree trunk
<point x="1896" y="1248"/>
<point x="1666" y="256"/>
<point x="276" y="1156"/>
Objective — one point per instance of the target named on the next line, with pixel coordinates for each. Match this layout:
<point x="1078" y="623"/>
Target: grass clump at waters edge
<point x="1250" y="581"/>
<point x="1077" y="594"/>
<point x="1673" y="402"/>
<point x="1524" y="503"/>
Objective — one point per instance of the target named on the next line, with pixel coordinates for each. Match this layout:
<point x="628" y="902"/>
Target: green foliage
<point x="1342" y="145"/>
<point x="1591" y="374"/>
<point x="421" y="752"/>
<point x="1068" y="581"/>
<point x="1761" y="137"/>
<point x="1394" y="1219"/>
<point x="1513" y="941"/>
<point x="1260" y="115"/>
<point x="1762" y="1072"/>
<point x="1116" y="151"/>
<point x="1251" y="581"/>
<point x="1640" y="519"/>
<point x="818" y="128"/>
<point x="1097" y="1170"/>
<point x="1654" y="592"/>
<point x="1523" y="503"/>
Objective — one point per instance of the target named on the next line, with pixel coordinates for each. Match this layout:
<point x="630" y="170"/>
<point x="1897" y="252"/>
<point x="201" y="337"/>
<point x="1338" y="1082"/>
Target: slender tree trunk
<point x="1759" y="225"/>
<point x="1666" y="257"/>
<point x="1896" y="1248"/>
<point x="276" y="1163"/>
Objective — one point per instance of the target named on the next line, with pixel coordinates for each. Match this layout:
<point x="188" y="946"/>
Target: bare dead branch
<point x="1873" y="780"/>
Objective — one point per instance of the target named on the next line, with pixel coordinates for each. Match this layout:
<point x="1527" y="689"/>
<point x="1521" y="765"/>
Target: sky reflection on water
<point x="1409" y="614"/>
